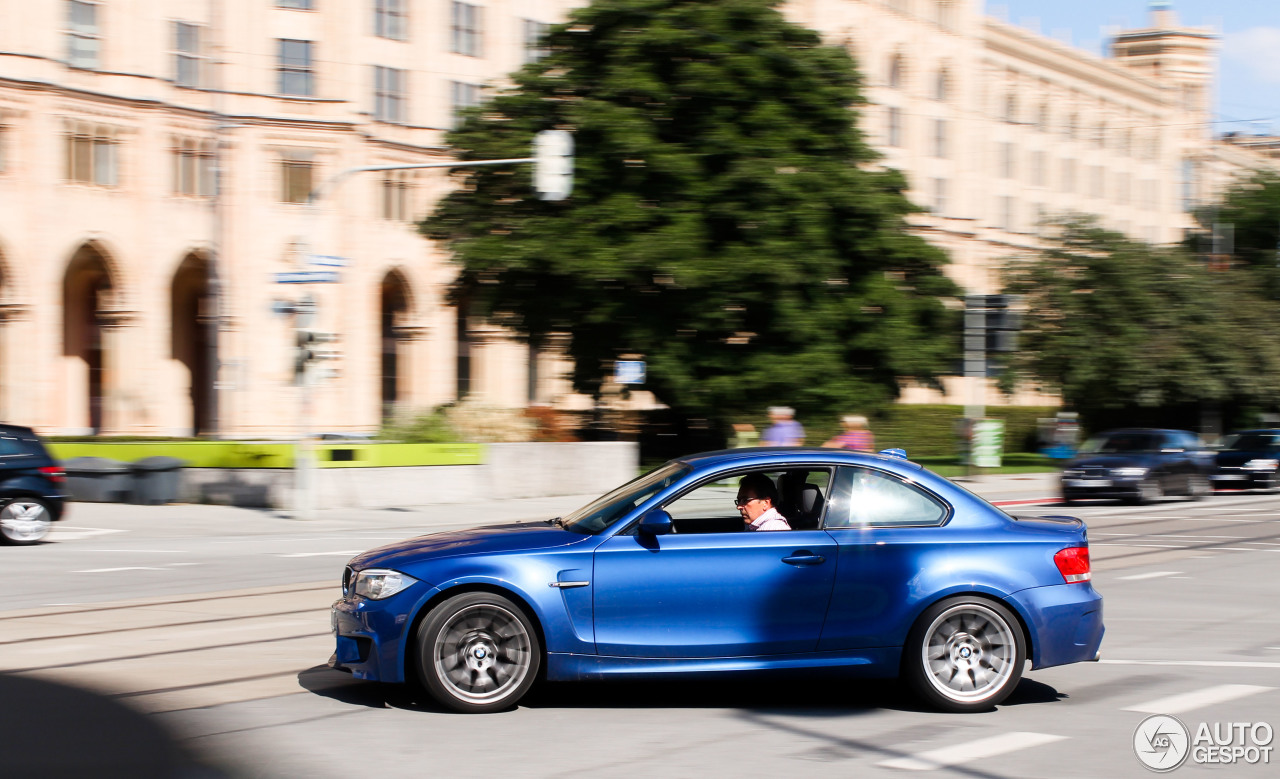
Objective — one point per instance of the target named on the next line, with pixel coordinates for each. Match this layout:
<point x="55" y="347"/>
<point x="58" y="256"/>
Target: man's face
<point x="751" y="507"/>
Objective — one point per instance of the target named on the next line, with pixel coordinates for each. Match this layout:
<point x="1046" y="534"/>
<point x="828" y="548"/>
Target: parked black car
<point x="31" y="487"/>
<point x="1248" y="460"/>
<point x="1139" y="465"/>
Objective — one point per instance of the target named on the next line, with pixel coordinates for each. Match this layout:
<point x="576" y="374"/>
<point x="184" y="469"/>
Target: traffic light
<point x="308" y="348"/>
<point x="553" y="164"/>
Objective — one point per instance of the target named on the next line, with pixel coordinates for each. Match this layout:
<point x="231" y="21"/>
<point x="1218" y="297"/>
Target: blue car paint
<point x="640" y="615"/>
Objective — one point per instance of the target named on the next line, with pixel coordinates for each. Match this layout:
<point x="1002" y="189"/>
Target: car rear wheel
<point x="1198" y="486"/>
<point x="24" y="521"/>
<point x="965" y="654"/>
<point x="478" y="652"/>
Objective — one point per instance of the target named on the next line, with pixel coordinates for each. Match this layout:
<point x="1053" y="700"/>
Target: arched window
<point x="895" y="71"/>
<point x="1010" y="108"/>
<point x="941" y="85"/>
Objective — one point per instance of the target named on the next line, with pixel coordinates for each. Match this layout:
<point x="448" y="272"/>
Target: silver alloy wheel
<point x="24" y="521"/>
<point x="482" y="653"/>
<point x="969" y="653"/>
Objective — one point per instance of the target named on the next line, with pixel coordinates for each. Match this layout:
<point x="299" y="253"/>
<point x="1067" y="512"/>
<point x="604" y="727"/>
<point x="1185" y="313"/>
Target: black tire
<point x="478" y="652"/>
<point x="964" y="654"/>
<point x="1068" y="500"/>
<point x="24" y="521"/>
<point x="1149" y="491"/>
<point x="1198" y="486"/>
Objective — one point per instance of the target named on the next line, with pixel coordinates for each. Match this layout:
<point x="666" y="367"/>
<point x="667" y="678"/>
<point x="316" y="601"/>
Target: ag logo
<point x="1161" y="742"/>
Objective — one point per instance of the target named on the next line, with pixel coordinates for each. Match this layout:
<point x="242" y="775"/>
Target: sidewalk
<point x="1015" y="489"/>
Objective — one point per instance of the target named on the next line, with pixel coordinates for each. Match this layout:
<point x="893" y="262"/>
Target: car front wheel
<point x="24" y="521"/>
<point x="965" y="654"/>
<point x="478" y="652"/>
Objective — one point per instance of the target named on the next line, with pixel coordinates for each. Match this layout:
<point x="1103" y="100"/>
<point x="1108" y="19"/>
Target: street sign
<point x="553" y="164"/>
<point x="629" y="371"/>
<point x="328" y="260"/>
<point x="988" y="441"/>
<point x="308" y="277"/>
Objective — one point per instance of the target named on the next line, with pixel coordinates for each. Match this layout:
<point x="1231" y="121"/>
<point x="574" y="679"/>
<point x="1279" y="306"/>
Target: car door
<point x="711" y="591"/>
<point x="890" y="535"/>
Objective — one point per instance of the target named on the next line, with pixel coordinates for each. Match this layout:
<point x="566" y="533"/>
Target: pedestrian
<point x="856" y="436"/>
<point x="785" y="430"/>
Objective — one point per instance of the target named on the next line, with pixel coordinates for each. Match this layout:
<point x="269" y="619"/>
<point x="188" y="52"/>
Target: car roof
<point x="16" y="430"/>
<point x="781" y="455"/>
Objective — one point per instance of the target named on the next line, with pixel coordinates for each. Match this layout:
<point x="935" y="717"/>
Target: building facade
<point x="155" y="152"/>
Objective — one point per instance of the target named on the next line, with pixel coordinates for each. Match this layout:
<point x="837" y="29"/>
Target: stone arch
<point x="90" y="305"/>
<point x="189" y="335"/>
<point x="395" y="329"/>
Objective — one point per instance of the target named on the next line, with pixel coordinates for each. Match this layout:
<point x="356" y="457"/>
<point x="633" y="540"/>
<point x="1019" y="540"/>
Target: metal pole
<point x="213" y="323"/>
<point x="975" y="368"/>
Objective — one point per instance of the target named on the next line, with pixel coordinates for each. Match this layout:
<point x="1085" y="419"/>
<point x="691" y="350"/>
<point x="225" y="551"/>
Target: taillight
<point x="1073" y="564"/>
<point x="54" y="473"/>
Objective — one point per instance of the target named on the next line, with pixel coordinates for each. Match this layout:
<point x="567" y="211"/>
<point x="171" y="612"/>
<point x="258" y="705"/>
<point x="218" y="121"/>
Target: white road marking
<point x="320" y="554"/>
<point x="970" y="751"/>
<point x="1152" y="575"/>
<point x="1175" y="704"/>
<point x="175" y="565"/>
<point x="1148" y="546"/>
<point x="137" y="551"/>
<point x="74" y="533"/>
<point x="112" y="570"/>
<point x="1195" y="663"/>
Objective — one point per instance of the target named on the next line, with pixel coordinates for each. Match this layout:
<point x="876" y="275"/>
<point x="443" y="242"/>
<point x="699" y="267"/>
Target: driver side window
<point x="709" y="507"/>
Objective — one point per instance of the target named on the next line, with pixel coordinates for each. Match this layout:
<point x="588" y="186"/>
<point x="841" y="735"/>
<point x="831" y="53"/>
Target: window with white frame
<point x="295" y="67"/>
<point x="1042" y="118"/>
<point x="465" y="26"/>
<point x="940" y="196"/>
<point x="193" y="167"/>
<point x="391" y="19"/>
<point x="940" y="138"/>
<point x="1037" y="168"/>
<point x="463" y="95"/>
<point x="188" y="54"/>
<point x="1006" y="154"/>
<point x="895" y="71"/>
<point x="84" y="43"/>
<point x="534" y="34"/>
<point x="941" y="85"/>
<point x="1010" y="113"/>
<point x="92" y="155"/>
<point x="393" y="196"/>
<point x="297" y="175"/>
<point x="390" y="94"/>
<point x="894" y="129"/>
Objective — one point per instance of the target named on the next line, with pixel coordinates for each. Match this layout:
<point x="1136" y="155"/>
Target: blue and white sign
<point x="328" y="260"/>
<point x="629" y="371"/>
<point x="308" y="277"/>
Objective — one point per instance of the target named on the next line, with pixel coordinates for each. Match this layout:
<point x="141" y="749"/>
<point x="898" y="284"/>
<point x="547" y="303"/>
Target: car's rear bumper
<point x="1238" y="479"/>
<point x="1118" y="490"/>
<point x="1065" y="623"/>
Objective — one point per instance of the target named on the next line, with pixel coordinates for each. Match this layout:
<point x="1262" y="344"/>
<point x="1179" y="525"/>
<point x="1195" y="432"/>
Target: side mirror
<point x="656" y="523"/>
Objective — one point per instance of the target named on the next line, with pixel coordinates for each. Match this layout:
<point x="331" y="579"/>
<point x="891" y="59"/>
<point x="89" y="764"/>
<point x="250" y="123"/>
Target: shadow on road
<point x="52" y="731"/>
<point x="784" y="694"/>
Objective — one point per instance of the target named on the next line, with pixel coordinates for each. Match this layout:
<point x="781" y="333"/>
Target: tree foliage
<point x="1131" y="332"/>
<point x="1252" y="210"/>
<point x="727" y="223"/>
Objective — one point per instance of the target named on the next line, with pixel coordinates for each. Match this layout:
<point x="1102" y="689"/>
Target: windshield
<point x="1252" y="442"/>
<point x="604" y="511"/>
<point x="1120" y="442"/>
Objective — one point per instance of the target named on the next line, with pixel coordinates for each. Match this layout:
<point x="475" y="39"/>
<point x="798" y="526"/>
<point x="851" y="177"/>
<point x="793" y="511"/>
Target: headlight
<point x="1262" y="465"/>
<point x="379" y="583"/>
<point x="1072" y="473"/>
<point x="1128" y="473"/>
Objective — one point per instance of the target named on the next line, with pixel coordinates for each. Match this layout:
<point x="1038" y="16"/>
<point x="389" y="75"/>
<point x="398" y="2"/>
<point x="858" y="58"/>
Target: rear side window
<point x="11" y="447"/>
<point x="18" y="445"/>
<point x="869" y="498"/>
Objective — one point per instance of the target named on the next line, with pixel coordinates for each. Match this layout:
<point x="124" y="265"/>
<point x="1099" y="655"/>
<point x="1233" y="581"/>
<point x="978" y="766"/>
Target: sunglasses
<point x="743" y="501"/>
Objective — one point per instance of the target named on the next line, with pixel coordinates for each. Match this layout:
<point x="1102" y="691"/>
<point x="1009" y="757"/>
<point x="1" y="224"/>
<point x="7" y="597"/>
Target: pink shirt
<point x="770" y="520"/>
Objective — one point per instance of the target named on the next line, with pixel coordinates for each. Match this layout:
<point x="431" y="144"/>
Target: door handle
<point x="804" y="558"/>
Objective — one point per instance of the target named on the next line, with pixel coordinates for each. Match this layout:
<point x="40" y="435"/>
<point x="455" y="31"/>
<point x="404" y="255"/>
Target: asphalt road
<point x="214" y="622"/>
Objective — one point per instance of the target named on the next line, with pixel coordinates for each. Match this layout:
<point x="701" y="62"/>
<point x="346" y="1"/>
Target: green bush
<point x="423" y="427"/>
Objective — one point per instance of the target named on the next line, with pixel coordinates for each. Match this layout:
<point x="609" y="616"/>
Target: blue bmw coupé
<point x="887" y="569"/>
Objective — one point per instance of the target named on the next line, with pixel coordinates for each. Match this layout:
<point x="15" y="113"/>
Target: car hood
<point x="1114" y="461"/>
<point x="1238" y="457"/>
<point x="517" y="537"/>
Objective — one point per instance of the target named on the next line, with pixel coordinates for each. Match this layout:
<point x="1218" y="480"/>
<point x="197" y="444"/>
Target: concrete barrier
<point x="533" y="470"/>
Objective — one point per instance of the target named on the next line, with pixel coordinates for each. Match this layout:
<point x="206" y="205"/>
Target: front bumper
<point x="1121" y="488"/>
<point x="1241" y="479"/>
<point x="1065" y="622"/>
<point x="371" y="635"/>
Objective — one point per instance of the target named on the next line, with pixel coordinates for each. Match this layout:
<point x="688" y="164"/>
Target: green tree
<point x="1251" y="209"/>
<point x="1132" y="333"/>
<point x="728" y="221"/>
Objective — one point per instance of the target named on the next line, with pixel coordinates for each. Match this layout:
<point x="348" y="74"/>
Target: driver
<point x="757" y="495"/>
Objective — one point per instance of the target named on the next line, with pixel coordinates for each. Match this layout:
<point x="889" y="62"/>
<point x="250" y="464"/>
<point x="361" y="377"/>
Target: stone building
<point x="119" y="121"/>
